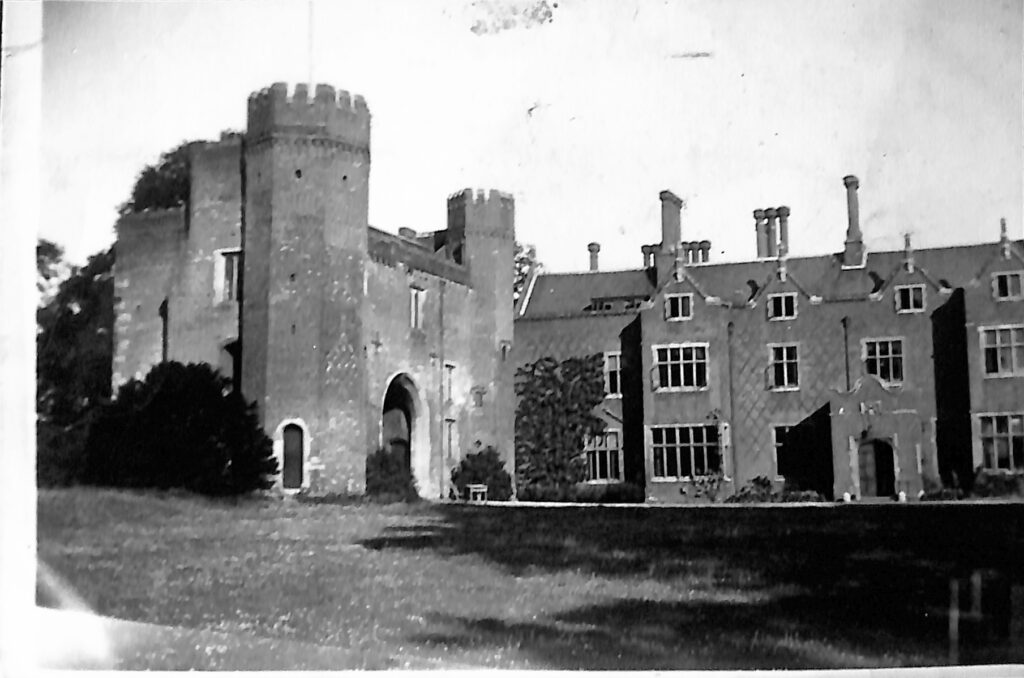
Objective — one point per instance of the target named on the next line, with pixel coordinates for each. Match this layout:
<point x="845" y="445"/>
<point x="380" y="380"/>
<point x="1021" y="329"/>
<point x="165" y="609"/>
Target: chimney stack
<point x="772" y="236"/>
<point x="705" y="251"/>
<point x="762" y="234"/>
<point x="593" y="248"/>
<point x="671" y="233"/>
<point x="646" y="250"/>
<point x="783" y="213"/>
<point x="853" y="255"/>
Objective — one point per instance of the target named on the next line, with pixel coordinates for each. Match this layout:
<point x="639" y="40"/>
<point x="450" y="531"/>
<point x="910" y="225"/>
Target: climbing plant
<point x="554" y="417"/>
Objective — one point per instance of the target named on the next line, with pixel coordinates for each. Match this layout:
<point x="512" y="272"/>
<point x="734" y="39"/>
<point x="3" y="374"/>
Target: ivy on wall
<point x="554" y="417"/>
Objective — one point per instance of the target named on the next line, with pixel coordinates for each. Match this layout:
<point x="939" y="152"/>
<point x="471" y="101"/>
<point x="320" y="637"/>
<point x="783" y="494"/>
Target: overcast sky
<point x="583" y="110"/>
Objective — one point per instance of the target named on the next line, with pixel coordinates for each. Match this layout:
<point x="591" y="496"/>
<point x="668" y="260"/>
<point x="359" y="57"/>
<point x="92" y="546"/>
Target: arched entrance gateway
<point x="405" y="429"/>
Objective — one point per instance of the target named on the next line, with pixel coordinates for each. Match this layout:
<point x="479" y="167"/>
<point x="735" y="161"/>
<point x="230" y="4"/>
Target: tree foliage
<point x="50" y="269"/>
<point x="182" y="426"/>
<point x="554" y="418"/>
<point x="525" y="259"/>
<point x="483" y="468"/>
<point x="163" y="185"/>
<point x="389" y="478"/>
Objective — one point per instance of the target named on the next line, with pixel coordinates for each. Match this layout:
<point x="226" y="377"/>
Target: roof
<point x="821" y="275"/>
<point x="569" y="293"/>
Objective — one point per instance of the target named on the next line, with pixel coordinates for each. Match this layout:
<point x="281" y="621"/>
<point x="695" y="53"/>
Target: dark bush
<point x="538" y="492"/>
<point x="483" y="468"/>
<point x="180" y="427"/>
<point x="59" y="454"/>
<point x="761" y="490"/>
<point x="609" y="493"/>
<point x="998" y="484"/>
<point x="389" y="478"/>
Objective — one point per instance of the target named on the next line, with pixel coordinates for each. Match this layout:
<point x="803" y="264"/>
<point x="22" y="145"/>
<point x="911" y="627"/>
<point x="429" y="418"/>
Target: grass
<point x="534" y="588"/>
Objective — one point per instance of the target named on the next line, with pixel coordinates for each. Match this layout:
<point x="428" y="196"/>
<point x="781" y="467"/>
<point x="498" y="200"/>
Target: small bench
<point x="477" y="492"/>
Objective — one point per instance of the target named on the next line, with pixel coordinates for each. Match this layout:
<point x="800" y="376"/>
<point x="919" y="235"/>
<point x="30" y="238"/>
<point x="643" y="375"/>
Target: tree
<point x="182" y="426"/>
<point x="525" y="259"/>
<point x="50" y="268"/>
<point x="74" y="352"/>
<point x="165" y="184"/>
<point x="554" y="418"/>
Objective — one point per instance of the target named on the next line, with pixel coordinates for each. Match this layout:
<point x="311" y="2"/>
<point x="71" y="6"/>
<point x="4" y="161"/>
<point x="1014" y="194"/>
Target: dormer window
<point x="782" y="306"/>
<point x="909" y="298"/>
<point x="1008" y="286"/>
<point x="678" y="307"/>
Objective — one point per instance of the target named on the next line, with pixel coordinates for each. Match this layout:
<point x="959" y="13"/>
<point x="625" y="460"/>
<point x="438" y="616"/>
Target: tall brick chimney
<point x="773" y="238"/>
<point x="783" y="213"/>
<point x="762" y="235"/>
<point x="593" y="248"/>
<point x="671" y="233"/>
<point x="853" y="255"/>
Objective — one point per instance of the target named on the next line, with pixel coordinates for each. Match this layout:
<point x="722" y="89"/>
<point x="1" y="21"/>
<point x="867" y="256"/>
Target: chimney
<point x="772" y="237"/>
<point x="593" y="248"/>
<point x="762" y="235"/>
<point x="671" y="234"/>
<point x="853" y="255"/>
<point x="783" y="213"/>
<point x="705" y="251"/>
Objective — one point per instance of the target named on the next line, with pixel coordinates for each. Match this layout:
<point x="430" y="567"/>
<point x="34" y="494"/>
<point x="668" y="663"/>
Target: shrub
<point x="943" y="494"/>
<point x="760" y="490"/>
<point x="180" y="427"/>
<point x="59" y="454"/>
<point x="610" y="493"/>
<point x="538" y="492"/>
<point x="389" y="478"/>
<point x="483" y="468"/>
<point x="998" y="484"/>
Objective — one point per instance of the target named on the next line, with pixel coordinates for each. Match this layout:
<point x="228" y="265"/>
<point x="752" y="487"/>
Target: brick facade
<point x="328" y="320"/>
<point x="915" y="319"/>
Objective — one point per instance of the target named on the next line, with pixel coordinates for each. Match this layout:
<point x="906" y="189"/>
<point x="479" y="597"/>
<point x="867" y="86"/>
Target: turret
<point x="307" y="165"/>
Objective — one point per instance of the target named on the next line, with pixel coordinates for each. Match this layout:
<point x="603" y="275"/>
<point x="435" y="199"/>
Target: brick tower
<point x="307" y="167"/>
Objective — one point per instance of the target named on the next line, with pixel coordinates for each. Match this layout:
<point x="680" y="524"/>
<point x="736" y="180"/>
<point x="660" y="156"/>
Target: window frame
<point x="1019" y="275"/>
<point x="220" y="270"/>
<point x="781" y="295"/>
<point x="1016" y="368"/>
<point x="682" y="388"/>
<point x="597" y="445"/>
<point x="773" y="385"/>
<point x="775" y="448"/>
<point x="688" y="296"/>
<point x="679" y="446"/>
<point x="608" y="393"/>
<point x="902" y="357"/>
<point x="911" y="286"/>
<point x="417" y="297"/>
<point x="1009" y="436"/>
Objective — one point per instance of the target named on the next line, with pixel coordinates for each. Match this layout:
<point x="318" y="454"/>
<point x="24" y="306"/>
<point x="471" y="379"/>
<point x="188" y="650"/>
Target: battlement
<point x="480" y="196"/>
<point x="329" y="113"/>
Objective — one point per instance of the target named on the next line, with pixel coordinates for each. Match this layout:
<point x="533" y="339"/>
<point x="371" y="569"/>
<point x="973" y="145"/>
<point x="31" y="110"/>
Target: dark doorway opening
<point x="877" y="468"/>
<point x="293" y="443"/>
<point x="396" y="421"/>
<point x="805" y="454"/>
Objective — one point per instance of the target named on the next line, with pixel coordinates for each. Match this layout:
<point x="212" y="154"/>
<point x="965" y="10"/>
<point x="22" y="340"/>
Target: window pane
<point x="991" y="361"/>
<point x="711" y="434"/>
<point x="684" y="462"/>
<point x="657" y="436"/>
<point x="987" y="426"/>
<point x="1018" y="453"/>
<point x="699" y="465"/>
<point x="897" y="369"/>
<point x="662" y="355"/>
<point x="614" y="466"/>
<point x="702" y="376"/>
<point x="1002" y="452"/>
<point x="714" y="459"/>
<point x="670" y="436"/>
<point x="613" y="440"/>
<point x="987" y="449"/>
<point x="663" y="380"/>
<point x="791" y="374"/>
<point x="672" y="464"/>
<point x="918" y="297"/>
<point x="659" y="462"/>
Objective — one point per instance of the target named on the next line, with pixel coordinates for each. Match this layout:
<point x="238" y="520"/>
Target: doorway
<point x="405" y="430"/>
<point x="292" y="458"/>
<point x="877" y="468"/>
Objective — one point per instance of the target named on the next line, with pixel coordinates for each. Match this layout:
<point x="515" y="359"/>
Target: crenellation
<point x="273" y="112"/>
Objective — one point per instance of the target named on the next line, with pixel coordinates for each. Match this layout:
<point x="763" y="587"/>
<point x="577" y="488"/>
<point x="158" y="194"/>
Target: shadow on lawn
<point x="812" y="587"/>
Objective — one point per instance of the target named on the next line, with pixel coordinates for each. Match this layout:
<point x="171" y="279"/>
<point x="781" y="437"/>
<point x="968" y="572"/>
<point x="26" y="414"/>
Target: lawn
<point x="550" y="588"/>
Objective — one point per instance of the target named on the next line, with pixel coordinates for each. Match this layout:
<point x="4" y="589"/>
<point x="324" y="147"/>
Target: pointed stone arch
<point x="405" y="429"/>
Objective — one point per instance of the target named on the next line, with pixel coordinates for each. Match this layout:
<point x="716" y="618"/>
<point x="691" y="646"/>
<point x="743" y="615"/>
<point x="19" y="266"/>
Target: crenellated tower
<point x="307" y="168"/>
<point x="483" y="224"/>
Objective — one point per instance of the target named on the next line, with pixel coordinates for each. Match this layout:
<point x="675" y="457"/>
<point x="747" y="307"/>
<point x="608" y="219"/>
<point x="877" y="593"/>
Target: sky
<point x="584" y="111"/>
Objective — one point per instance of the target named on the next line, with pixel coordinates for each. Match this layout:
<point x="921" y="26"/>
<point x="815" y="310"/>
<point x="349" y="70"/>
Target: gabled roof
<point x="735" y="283"/>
